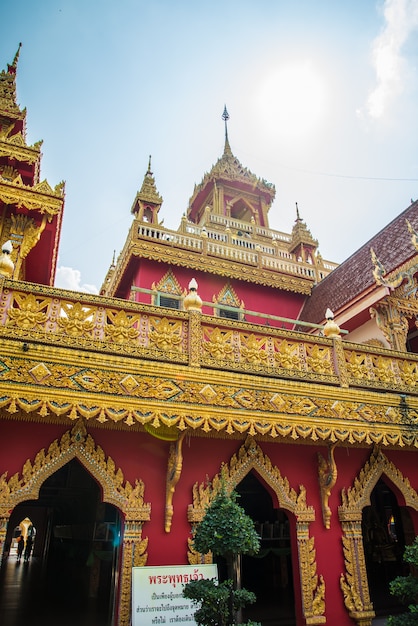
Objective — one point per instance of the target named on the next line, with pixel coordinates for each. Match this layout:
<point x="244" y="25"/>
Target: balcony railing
<point x="35" y="314"/>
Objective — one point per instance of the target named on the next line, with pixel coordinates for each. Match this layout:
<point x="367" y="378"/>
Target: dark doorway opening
<point x="71" y="575"/>
<point x="387" y="529"/>
<point x="269" y="574"/>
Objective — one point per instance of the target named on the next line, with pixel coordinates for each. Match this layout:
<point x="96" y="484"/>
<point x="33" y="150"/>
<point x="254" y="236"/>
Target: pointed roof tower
<point x="148" y="201"/>
<point x="30" y="209"/>
<point x="302" y="244"/>
<point x="231" y="190"/>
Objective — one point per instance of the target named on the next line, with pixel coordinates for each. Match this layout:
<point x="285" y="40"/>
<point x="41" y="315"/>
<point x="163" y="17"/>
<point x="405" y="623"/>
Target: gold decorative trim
<point x="38" y="198"/>
<point x="353" y="582"/>
<point x="251" y="457"/>
<point x="227" y="268"/>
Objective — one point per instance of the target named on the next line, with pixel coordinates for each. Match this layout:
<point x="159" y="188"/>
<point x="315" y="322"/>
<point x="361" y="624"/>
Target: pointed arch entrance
<point x="354" y="581"/>
<point x="76" y="451"/>
<point x="269" y="574"/>
<point x="250" y="458"/>
<point x="386" y="527"/>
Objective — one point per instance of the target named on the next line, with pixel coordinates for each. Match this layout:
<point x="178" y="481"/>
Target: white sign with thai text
<point x="157" y="593"/>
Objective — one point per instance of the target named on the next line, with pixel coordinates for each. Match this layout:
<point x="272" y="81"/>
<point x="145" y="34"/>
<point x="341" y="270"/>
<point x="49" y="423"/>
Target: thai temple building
<point x="222" y="348"/>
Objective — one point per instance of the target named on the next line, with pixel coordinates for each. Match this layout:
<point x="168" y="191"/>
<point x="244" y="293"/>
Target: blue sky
<point x="322" y="97"/>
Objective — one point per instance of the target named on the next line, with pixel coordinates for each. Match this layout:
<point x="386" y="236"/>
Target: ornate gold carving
<point x="165" y="334"/>
<point x="174" y="467"/>
<point x="250" y="457"/>
<point x="30" y="313"/>
<point x="121" y="329"/>
<point x="76" y="320"/>
<point x="327" y="475"/>
<point x="218" y="343"/>
<point x="287" y="354"/>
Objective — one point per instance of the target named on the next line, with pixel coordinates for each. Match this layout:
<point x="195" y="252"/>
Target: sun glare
<point x="292" y="100"/>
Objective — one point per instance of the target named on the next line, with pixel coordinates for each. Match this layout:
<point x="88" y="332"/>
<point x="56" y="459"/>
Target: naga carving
<point x="327" y="476"/>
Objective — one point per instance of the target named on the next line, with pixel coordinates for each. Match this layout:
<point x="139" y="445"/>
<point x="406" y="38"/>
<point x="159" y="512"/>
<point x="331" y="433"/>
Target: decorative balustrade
<point x="38" y="314"/>
<point x="238" y="249"/>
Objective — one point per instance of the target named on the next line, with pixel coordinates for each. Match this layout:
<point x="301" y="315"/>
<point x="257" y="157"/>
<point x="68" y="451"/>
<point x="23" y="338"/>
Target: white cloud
<point x="69" y="278"/>
<point x="401" y="20"/>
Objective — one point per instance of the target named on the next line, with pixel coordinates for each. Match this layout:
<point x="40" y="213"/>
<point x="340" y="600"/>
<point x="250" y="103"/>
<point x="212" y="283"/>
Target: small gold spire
<point x="193" y="302"/>
<point x="331" y="328"/>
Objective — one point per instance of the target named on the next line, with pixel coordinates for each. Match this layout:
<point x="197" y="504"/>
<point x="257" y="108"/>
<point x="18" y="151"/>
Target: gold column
<point x="353" y="582"/>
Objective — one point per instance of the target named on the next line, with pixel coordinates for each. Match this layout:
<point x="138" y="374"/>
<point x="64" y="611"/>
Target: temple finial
<point x="225" y="117"/>
<point x="12" y="68"/>
<point x="297" y="213"/>
<point x="15" y="60"/>
<point x="149" y="166"/>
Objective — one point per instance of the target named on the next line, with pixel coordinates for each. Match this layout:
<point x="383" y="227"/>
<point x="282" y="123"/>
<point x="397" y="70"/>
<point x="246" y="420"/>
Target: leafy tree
<point x="226" y="530"/>
<point x="406" y="589"/>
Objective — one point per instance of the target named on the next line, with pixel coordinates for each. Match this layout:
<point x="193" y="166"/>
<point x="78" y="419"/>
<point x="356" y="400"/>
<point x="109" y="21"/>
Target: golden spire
<point x="149" y="191"/>
<point x="225" y="117"/>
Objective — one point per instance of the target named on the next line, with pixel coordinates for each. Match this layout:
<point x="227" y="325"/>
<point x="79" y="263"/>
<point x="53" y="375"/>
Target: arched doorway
<point x="268" y="574"/>
<point x="386" y="529"/>
<point x="69" y="579"/>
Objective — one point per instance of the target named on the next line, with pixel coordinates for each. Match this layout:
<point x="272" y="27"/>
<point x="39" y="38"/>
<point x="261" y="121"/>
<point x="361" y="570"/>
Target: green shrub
<point x="406" y="589"/>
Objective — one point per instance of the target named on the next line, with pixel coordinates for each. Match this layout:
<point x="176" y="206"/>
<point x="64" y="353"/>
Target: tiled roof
<point x="392" y="246"/>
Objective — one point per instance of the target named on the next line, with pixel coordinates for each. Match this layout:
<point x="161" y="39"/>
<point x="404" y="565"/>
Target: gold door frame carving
<point x="129" y="500"/>
<point x="353" y="581"/>
<point x="251" y="457"/>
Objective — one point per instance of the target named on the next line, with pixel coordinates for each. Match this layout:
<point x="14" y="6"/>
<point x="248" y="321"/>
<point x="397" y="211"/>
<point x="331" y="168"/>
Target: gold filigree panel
<point x="45" y="388"/>
<point x="371" y="369"/>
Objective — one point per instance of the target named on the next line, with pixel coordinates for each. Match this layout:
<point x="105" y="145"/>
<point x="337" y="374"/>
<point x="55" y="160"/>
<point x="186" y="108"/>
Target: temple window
<point x="168" y="292"/>
<point x="228" y="305"/>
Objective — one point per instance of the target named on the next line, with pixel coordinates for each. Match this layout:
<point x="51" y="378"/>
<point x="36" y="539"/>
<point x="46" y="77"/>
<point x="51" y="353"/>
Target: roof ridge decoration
<point x="8" y="87"/>
<point x="393" y="279"/>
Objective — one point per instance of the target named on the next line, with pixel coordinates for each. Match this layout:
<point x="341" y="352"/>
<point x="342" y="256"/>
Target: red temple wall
<point x="139" y="455"/>
<point x="255" y="297"/>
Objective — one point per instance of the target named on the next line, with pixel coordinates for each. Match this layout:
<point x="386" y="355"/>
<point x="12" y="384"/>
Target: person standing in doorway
<point x="20" y="546"/>
<point x="28" y="547"/>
